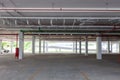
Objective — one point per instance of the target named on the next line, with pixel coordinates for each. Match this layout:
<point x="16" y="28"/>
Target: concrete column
<point x="108" y="46"/>
<point x="33" y="44"/>
<point x="39" y="45"/>
<point x="76" y="46"/>
<point x="119" y="47"/>
<point x="73" y="47"/>
<point x="99" y="50"/>
<point x="86" y="46"/>
<point x="0" y="46"/>
<point x="43" y="46"/>
<point x="111" y="46"/>
<point x="46" y="46"/>
<point x="21" y="45"/>
<point x="11" y="46"/>
<point x="80" y="46"/>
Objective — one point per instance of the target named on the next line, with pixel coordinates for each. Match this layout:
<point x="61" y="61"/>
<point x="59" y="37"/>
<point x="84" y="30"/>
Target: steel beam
<point x="78" y="18"/>
<point x="74" y="33"/>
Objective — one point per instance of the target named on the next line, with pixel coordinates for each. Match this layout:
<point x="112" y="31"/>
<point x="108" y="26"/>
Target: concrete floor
<point x="59" y="67"/>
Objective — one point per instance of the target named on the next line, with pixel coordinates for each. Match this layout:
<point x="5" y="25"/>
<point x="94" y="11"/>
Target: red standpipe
<point x="17" y="49"/>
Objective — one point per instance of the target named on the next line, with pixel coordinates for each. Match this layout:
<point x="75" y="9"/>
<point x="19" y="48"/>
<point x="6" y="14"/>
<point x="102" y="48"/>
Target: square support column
<point x="39" y="45"/>
<point x="46" y="47"/>
<point x="33" y="44"/>
<point x="0" y="46"/>
<point x="86" y="46"/>
<point x="76" y="47"/>
<point x="21" y="45"/>
<point x="73" y="47"/>
<point x="11" y="46"/>
<point x="111" y="46"/>
<point x="99" y="50"/>
<point x="119" y="47"/>
<point x="80" y="46"/>
<point x="108" y="46"/>
<point x="43" y="46"/>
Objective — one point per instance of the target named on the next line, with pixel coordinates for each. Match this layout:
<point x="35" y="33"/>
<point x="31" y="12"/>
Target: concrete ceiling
<point x="109" y="10"/>
<point x="63" y="3"/>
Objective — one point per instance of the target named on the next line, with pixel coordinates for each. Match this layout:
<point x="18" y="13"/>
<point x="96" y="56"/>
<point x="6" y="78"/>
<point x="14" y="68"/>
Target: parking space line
<point x="85" y="76"/>
<point x="35" y="74"/>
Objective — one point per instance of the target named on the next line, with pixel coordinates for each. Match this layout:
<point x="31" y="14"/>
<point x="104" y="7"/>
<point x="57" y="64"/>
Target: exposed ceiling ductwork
<point x="67" y="18"/>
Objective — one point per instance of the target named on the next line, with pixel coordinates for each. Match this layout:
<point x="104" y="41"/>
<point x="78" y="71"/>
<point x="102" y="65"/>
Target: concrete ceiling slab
<point x="63" y="3"/>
